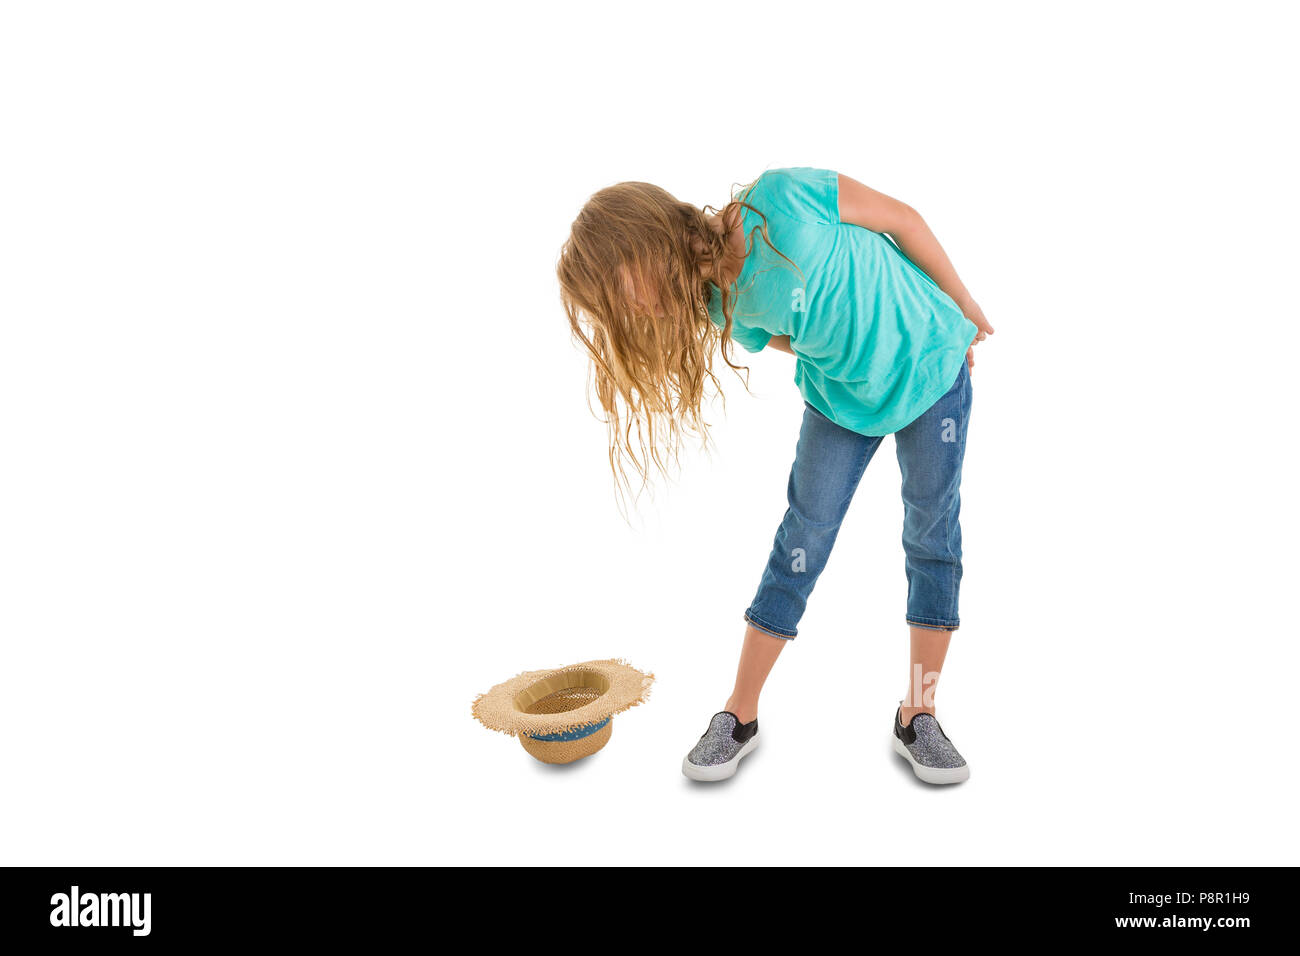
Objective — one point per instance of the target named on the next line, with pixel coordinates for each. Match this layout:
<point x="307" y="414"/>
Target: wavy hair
<point x="651" y="353"/>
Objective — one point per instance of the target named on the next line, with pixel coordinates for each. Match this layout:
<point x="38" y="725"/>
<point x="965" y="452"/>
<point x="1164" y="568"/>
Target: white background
<point x="297" y="458"/>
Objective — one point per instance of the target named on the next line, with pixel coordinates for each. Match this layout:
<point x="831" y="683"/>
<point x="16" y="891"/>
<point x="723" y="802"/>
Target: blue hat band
<point x="576" y="734"/>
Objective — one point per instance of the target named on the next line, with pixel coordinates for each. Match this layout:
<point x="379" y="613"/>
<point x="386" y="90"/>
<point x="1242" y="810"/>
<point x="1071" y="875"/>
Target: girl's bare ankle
<point x="745" y="713"/>
<point x="906" y="713"/>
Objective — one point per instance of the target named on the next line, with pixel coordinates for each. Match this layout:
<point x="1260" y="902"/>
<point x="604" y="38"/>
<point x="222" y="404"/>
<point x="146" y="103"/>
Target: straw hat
<point x="564" y="714"/>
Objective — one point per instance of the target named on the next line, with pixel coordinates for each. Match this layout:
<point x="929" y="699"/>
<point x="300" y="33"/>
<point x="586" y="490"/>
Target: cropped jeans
<point x="829" y="462"/>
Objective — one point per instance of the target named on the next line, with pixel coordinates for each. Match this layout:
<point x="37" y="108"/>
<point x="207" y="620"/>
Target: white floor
<point x="297" y="458"/>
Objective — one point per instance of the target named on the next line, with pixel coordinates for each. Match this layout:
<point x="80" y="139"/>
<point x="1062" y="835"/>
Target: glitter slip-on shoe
<point x="718" y="753"/>
<point x="927" y="748"/>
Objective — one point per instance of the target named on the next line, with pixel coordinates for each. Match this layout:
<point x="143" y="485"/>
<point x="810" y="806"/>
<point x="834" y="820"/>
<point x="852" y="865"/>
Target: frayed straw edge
<point x="647" y="682"/>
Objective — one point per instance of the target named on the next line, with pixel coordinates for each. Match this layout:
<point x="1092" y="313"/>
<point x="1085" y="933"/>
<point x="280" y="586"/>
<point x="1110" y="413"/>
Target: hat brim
<point x="504" y="707"/>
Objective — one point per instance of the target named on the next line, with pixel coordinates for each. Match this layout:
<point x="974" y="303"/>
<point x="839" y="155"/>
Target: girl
<point x="855" y="286"/>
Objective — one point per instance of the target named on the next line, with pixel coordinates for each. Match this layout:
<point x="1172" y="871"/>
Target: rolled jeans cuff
<point x="933" y="623"/>
<point x="786" y="634"/>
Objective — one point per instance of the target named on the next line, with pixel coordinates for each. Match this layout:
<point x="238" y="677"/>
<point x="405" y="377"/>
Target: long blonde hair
<point x="650" y="372"/>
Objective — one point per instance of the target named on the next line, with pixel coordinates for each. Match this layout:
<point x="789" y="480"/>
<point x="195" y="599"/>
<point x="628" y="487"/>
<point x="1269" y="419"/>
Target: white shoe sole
<point x="719" y="771"/>
<point x="934" y="775"/>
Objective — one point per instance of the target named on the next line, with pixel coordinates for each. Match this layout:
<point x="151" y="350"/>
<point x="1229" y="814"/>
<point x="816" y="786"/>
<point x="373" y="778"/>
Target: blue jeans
<point x="829" y="462"/>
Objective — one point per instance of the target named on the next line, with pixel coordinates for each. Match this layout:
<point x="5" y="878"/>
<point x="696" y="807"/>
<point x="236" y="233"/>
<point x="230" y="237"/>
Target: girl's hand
<point x="972" y="311"/>
<point x="970" y="308"/>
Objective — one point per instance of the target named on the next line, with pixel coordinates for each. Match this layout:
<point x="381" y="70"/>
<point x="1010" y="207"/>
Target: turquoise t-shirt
<point x="876" y="341"/>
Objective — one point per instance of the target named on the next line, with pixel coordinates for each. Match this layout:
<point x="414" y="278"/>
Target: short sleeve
<point x="806" y="193"/>
<point x="751" y="338"/>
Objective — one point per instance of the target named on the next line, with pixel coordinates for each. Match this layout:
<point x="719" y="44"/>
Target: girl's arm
<point x="863" y="206"/>
<point x="781" y="343"/>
